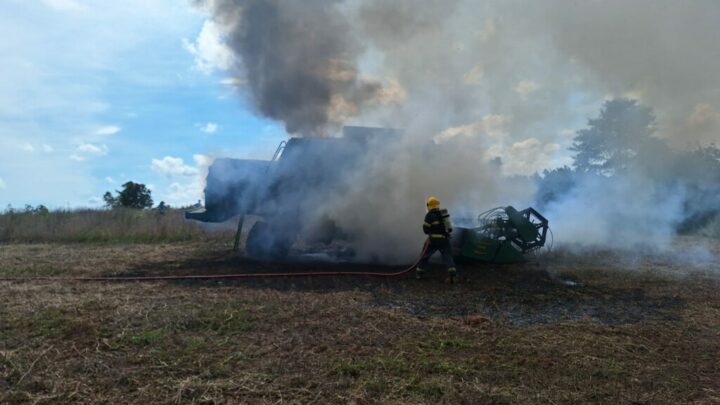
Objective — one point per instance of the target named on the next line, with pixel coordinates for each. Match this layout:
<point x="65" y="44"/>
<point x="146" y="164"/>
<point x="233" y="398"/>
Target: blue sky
<point x="95" y="93"/>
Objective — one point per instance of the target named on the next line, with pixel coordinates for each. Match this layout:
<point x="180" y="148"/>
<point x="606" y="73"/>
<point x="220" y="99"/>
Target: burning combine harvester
<point x="279" y="201"/>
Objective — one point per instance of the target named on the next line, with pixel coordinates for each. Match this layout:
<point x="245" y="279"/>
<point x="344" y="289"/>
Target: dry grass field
<point x="119" y="225"/>
<point x="564" y="328"/>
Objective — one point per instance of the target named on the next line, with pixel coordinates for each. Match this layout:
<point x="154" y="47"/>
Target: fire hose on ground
<point x="223" y="276"/>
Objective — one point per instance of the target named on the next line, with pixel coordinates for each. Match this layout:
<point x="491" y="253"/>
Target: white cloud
<point x="487" y="32"/>
<point x="209" y="128"/>
<point x="492" y="125"/>
<point x="64" y="5"/>
<point x="91" y="149"/>
<point x="233" y="81"/>
<point x="209" y="51"/>
<point x="3" y="185"/>
<point x="492" y="136"/>
<point x="526" y="87"/>
<point x="703" y="114"/>
<point x="392" y="92"/>
<point x="180" y="193"/>
<point x="173" y="166"/>
<point x="567" y="133"/>
<point x="87" y="150"/>
<point x="110" y="180"/>
<point x="475" y="75"/>
<point x="184" y="194"/>
<point x="47" y="148"/>
<point x="529" y="156"/>
<point x="108" y="130"/>
<point x="202" y="160"/>
<point x="27" y="147"/>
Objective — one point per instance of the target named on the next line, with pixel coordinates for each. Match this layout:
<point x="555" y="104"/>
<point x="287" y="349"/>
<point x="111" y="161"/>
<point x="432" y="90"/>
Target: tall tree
<point x="133" y="195"/>
<point x="611" y="141"/>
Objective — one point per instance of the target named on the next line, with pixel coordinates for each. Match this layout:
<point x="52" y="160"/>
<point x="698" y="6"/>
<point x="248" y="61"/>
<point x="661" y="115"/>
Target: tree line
<point x="622" y="140"/>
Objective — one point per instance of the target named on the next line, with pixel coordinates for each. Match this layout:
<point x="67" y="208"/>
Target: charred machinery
<point x="279" y="201"/>
<point x="282" y="198"/>
<point x="503" y="235"/>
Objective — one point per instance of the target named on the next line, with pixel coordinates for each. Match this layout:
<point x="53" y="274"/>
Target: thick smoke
<point x="385" y="205"/>
<point x="666" y="53"/>
<point x="486" y="91"/>
<point x="299" y="60"/>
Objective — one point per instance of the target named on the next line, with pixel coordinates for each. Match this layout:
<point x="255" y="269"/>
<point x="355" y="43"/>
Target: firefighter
<point x="438" y="230"/>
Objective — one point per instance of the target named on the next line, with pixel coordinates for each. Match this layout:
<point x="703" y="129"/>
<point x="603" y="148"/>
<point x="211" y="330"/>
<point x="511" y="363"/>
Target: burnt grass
<point x="562" y="328"/>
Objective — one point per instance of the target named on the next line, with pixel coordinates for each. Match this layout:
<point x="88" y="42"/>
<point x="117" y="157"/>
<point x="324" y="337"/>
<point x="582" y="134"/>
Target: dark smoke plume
<point x="489" y="92"/>
<point x="298" y="58"/>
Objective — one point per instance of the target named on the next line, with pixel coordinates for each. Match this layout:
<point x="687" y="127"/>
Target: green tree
<point x="611" y="142"/>
<point x="110" y="201"/>
<point x="553" y="184"/>
<point x="39" y="210"/>
<point x="133" y="195"/>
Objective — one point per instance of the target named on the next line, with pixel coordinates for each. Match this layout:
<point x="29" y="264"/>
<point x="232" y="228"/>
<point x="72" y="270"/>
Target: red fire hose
<point x="223" y="276"/>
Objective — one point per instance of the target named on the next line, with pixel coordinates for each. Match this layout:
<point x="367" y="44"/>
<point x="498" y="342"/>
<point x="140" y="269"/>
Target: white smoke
<point x="472" y="81"/>
<point x="622" y="213"/>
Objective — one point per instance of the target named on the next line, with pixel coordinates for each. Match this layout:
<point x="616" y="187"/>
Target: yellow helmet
<point x="433" y="202"/>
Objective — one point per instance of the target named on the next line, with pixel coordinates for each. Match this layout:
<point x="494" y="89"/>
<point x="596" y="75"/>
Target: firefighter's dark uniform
<point x="439" y="237"/>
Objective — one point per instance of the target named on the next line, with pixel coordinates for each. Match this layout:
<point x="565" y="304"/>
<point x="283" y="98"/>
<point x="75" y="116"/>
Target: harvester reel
<point x="503" y="235"/>
<point x="532" y="239"/>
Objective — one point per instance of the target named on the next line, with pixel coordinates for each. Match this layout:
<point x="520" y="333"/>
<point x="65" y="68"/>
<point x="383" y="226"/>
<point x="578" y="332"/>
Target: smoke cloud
<point x="299" y="59"/>
<point x="486" y="91"/>
<point x="547" y="65"/>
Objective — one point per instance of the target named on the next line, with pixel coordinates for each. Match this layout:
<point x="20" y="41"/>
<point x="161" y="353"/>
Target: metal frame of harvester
<point x="504" y="235"/>
<point x="277" y="200"/>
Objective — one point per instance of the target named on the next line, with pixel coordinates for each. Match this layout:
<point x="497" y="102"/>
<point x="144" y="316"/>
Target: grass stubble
<point x="567" y="329"/>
